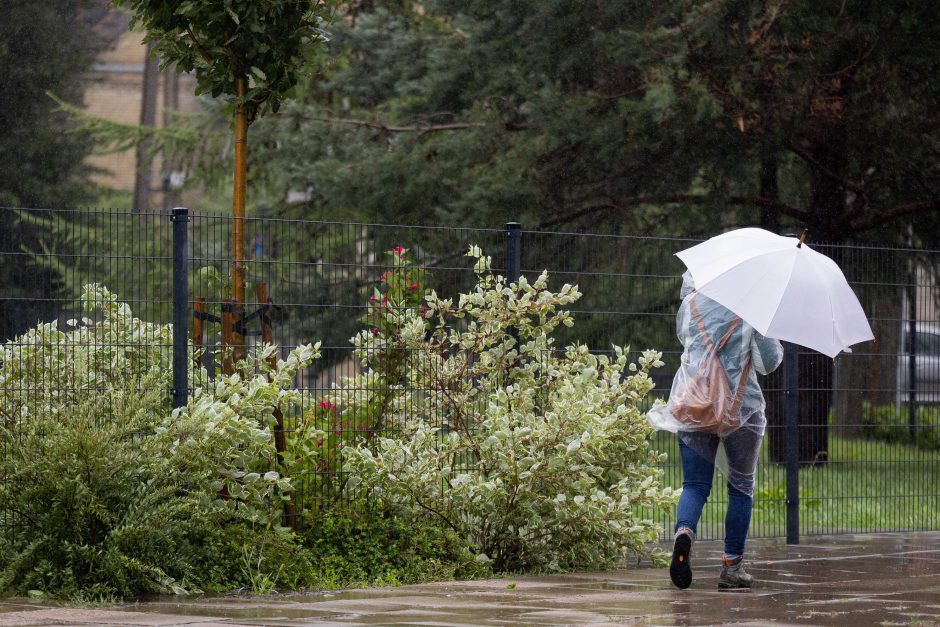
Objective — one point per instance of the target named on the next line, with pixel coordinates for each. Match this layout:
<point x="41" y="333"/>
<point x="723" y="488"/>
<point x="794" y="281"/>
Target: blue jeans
<point x="698" y="467"/>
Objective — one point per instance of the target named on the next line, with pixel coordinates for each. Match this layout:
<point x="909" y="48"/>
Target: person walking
<point x="716" y="401"/>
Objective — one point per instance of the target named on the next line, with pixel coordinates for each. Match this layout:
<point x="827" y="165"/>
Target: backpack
<point x="703" y="401"/>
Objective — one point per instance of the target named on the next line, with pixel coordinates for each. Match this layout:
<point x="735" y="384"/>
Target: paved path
<point x="850" y="581"/>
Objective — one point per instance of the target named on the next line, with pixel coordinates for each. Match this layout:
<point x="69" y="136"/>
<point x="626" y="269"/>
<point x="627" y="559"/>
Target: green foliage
<point x="108" y="492"/>
<point x="625" y="117"/>
<point x="197" y="143"/>
<point x="364" y="544"/>
<point x="536" y="459"/>
<point x="888" y="424"/>
<point x="46" y="46"/>
<point x="264" y="41"/>
<point x="396" y="290"/>
<point x="808" y="92"/>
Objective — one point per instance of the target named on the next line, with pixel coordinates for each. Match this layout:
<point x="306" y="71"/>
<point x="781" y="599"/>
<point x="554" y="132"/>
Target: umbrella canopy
<point x="782" y="288"/>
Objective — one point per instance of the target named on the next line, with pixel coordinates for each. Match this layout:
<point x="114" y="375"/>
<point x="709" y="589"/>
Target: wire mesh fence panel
<point x="870" y="420"/>
<point x="84" y="307"/>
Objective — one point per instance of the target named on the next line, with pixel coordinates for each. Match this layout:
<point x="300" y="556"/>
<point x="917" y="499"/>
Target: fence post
<point x="228" y="336"/>
<point x="180" y="219"/>
<point x="280" y="438"/>
<point x="791" y="413"/>
<point x="199" y="320"/>
<point x="912" y="356"/>
<point x="513" y="250"/>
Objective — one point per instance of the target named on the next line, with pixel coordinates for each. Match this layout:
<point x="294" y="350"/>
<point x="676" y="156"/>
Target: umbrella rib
<point x="832" y="314"/>
<point x="735" y="265"/>
<point x="780" y="300"/>
<point x="756" y="256"/>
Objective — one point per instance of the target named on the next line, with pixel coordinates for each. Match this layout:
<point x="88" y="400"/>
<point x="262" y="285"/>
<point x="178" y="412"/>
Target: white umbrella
<point x="781" y="287"/>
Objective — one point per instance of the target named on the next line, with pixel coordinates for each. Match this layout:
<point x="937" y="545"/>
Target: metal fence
<point x="864" y="451"/>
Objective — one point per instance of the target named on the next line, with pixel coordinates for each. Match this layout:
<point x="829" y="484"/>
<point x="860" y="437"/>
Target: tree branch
<point x="417" y="128"/>
<point x="808" y="158"/>
<point x="688" y="199"/>
<point x="895" y="212"/>
<point x="202" y="51"/>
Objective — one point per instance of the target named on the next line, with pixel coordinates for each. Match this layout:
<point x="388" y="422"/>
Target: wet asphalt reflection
<point x="879" y="579"/>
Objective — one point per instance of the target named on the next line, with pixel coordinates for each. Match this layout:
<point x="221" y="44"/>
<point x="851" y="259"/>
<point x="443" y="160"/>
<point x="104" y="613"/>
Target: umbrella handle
<point x="802" y="238"/>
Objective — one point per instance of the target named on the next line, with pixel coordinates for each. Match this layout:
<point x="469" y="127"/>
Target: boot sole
<point x="733" y="586"/>
<point x="680" y="569"/>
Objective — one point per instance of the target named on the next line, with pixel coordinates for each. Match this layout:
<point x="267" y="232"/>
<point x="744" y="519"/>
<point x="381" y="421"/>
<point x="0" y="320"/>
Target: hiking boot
<point x="680" y="569"/>
<point x="733" y="576"/>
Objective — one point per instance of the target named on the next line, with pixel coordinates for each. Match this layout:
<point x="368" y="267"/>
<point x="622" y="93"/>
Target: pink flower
<point x="383" y="277"/>
<point x="375" y="331"/>
<point x="372" y="299"/>
<point x="398" y="250"/>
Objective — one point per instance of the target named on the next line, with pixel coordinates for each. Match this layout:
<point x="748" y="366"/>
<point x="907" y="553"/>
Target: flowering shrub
<point x="343" y="422"/>
<point x="107" y="491"/>
<point x="535" y="457"/>
<point x="399" y="291"/>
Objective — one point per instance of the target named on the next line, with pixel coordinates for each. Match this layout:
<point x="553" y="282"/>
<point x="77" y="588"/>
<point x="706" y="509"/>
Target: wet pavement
<point x="879" y="579"/>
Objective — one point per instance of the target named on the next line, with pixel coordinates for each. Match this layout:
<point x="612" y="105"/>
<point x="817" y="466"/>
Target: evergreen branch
<point x="689" y="199"/>
<point x="418" y="128"/>
<point x="622" y="94"/>
<point x="895" y="212"/>
<point x="808" y="158"/>
<point x="191" y="143"/>
<point x="118" y="136"/>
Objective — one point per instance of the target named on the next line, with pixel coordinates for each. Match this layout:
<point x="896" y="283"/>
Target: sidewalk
<point x="879" y="579"/>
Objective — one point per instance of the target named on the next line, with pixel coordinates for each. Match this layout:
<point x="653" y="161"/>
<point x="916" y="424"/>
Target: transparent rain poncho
<point x="743" y="347"/>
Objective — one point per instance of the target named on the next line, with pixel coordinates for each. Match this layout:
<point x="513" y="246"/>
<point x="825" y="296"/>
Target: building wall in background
<point x="114" y="92"/>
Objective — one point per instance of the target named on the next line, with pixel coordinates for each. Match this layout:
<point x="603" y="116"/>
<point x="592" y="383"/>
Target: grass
<point x="866" y="486"/>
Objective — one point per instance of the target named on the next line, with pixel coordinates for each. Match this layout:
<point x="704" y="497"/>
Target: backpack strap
<point x="739" y="390"/>
<point x="701" y="328"/>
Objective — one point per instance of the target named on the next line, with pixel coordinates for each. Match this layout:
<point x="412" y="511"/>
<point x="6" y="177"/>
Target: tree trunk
<point x="148" y="117"/>
<point x="815" y="382"/>
<point x="171" y="103"/>
<point x="827" y="203"/>
<point x="852" y="374"/>
<point x="769" y="162"/>
<point x="238" y="218"/>
<point x="772" y="384"/>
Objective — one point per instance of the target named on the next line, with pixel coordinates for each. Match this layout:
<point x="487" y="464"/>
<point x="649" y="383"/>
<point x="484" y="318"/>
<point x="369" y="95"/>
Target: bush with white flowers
<point x="538" y="457"/>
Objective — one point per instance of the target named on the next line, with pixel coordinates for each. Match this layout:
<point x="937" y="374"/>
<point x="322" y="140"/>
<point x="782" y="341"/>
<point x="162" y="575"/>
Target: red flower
<point x="372" y="298"/>
<point x="383" y="277"/>
<point x="414" y="287"/>
<point x="398" y="250"/>
<point x="375" y="331"/>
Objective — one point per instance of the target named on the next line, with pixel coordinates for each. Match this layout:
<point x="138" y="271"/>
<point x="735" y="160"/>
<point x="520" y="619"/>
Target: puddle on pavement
<point x="807" y="585"/>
